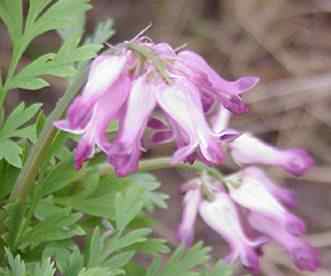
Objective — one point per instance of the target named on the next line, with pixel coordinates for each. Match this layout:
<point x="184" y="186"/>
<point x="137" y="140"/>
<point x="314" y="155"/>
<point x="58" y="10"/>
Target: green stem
<point x="26" y="179"/>
<point x="165" y="163"/>
<point x="148" y="54"/>
<point x="16" y="56"/>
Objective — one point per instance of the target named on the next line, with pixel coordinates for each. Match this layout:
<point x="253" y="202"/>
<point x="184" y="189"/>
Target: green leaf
<point x="46" y="208"/>
<point x="8" y="177"/>
<point x="14" y="128"/>
<point x="59" y="65"/>
<point x="45" y="268"/>
<point x="27" y="83"/>
<point x="60" y="176"/>
<point x="150" y="185"/>
<point x="95" y="196"/>
<point x="119" y="260"/>
<point x="64" y="254"/>
<point x="16" y="264"/>
<point x="152" y="247"/>
<point x="128" y="206"/>
<point x="57" y="227"/>
<point x="15" y="216"/>
<point x="15" y="121"/>
<point x="11" y="13"/>
<point x="96" y="251"/>
<point x="104" y="252"/>
<point x="74" y="264"/>
<point x="154" y="268"/>
<point x="220" y="269"/>
<point x="103" y="32"/>
<point x="59" y="15"/>
<point x="75" y="30"/>
<point x="138" y="236"/>
<point x="11" y="152"/>
<point x="96" y="271"/>
<point x="132" y="269"/>
<point x="182" y="262"/>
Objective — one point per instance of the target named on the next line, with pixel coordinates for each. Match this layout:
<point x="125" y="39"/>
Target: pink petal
<point x="247" y="149"/>
<point x="124" y="153"/>
<point x="191" y="202"/>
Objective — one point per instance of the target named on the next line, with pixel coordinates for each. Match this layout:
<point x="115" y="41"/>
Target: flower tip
<point x="162" y="137"/>
<point x="185" y="236"/>
<point x="156" y="123"/>
<point x="306" y="258"/>
<point x="78" y="113"/>
<point x="83" y="152"/>
<point x="295" y="225"/>
<point x="62" y="124"/>
<point x="251" y="260"/>
<point x="247" y="83"/>
<point x="299" y="161"/>
<point x="236" y="105"/>
<point x="229" y="135"/>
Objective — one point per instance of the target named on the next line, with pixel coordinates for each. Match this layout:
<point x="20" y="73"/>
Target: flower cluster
<point x="129" y="82"/>
<point x="136" y="81"/>
<point x="247" y="208"/>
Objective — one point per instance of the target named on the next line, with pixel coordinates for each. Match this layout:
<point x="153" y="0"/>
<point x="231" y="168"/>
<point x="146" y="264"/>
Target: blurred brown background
<point x="285" y="42"/>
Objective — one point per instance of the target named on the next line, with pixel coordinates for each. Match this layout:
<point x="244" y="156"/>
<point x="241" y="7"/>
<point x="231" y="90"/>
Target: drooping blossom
<point x="247" y="149"/>
<point x="220" y="214"/>
<point x="258" y="194"/>
<point x="182" y="103"/>
<point x="221" y="119"/>
<point x="248" y="216"/>
<point x="181" y="98"/>
<point x="105" y="70"/>
<point x="125" y="151"/>
<point x="169" y="78"/>
<point x="304" y="256"/>
<point x="191" y="203"/>
<point x="211" y="83"/>
<point x="284" y="195"/>
<point x="94" y="133"/>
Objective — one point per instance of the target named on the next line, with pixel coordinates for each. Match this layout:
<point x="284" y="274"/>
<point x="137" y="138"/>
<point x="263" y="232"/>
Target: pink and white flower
<point x="125" y="151"/>
<point x="95" y="131"/>
<point x="105" y="70"/>
<point x="258" y="194"/>
<point x="247" y="149"/>
<point x="203" y="76"/>
<point x="222" y="216"/>
<point x="191" y="205"/>
<point x="304" y="256"/>
<point x="181" y="102"/>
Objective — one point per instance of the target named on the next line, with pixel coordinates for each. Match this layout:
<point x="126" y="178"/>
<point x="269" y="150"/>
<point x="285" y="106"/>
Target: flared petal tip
<point x="156" y="123"/>
<point x="298" y="162"/>
<point x="162" y="137"/>
<point x="185" y="236"/>
<point x="253" y="264"/>
<point x="79" y="113"/>
<point x="236" y="105"/>
<point x="295" y="225"/>
<point x="123" y="160"/>
<point x="229" y="135"/>
<point x="306" y="258"/>
<point x="246" y="83"/>
<point x="62" y="124"/>
<point x="83" y="152"/>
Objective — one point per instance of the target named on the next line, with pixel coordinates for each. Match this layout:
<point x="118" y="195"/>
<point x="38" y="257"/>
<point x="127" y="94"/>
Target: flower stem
<point x="39" y="151"/>
<point x="165" y="163"/>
